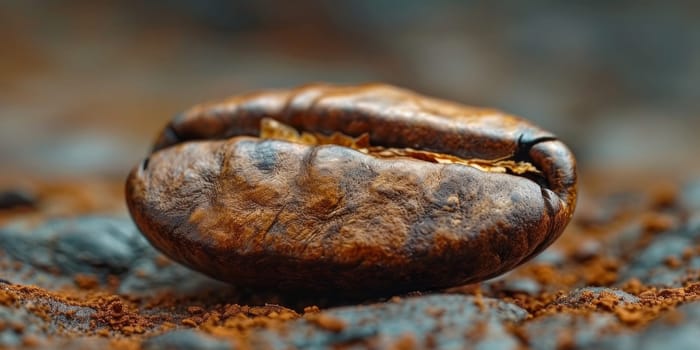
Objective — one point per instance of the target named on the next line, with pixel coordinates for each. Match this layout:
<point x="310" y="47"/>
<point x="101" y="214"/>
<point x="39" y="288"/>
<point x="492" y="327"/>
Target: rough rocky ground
<point x="75" y="273"/>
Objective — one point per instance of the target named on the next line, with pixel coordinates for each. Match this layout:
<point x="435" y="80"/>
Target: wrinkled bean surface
<point x="281" y="212"/>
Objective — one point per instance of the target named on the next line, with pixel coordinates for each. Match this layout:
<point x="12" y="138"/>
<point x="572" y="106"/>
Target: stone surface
<point x="442" y="321"/>
<point x="562" y="330"/>
<point x="584" y="295"/>
<point x="678" y="331"/>
<point x="18" y="324"/>
<point x="661" y="262"/>
<point x="185" y="340"/>
<point x="94" y="246"/>
<point x="97" y="245"/>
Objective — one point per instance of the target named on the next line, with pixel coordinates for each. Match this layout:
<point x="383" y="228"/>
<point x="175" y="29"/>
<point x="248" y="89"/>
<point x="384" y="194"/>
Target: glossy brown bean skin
<point x="275" y="213"/>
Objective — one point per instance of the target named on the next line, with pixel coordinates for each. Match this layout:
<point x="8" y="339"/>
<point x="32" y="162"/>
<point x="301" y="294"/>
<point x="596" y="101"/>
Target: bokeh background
<point x="85" y="85"/>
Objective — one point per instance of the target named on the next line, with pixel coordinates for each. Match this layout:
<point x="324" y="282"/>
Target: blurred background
<point x="86" y="85"/>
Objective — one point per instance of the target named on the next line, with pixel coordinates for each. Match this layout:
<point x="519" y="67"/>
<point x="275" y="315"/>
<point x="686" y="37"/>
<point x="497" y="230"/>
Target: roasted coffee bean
<point x="375" y="190"/>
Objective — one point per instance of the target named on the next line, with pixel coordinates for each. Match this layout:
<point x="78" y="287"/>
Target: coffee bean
<point x="369" y="189"/>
